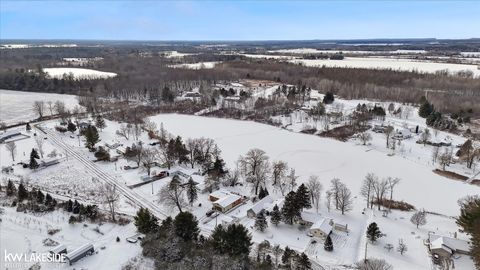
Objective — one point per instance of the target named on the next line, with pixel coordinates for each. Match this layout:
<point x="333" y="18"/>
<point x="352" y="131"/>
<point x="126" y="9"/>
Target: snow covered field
<point x="200" y="65"/>
<point x="389" y="63"/>
<point x="79" y="73"/>
<point x="16" y="106"/>
<point x="314" y="51"/>
<point x="326" y="158"/>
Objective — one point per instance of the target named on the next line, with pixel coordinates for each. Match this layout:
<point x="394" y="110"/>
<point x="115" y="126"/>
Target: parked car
<point x="163" y="174"/>
<point x="209" y="213"/>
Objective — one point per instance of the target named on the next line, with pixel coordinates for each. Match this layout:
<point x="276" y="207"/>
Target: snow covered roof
<point x="309" y="217"/>
<point x="323" y="224"/>
<point x="228" y="200"/>
<point x="9" y="134"/>
<point x="448" y="243"/>
<point x="261" y="204"/>
<point x="220" y="193"/>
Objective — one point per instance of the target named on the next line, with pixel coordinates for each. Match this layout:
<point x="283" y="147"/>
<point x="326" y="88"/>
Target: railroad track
<point x="95" y="171"/>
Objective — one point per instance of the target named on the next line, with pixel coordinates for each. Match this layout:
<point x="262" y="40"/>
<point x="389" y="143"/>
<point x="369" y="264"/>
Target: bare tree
<point x="328" y="201"/>
<point x="39" y="108"/>
<point x="39" y="141"/>
<point x="388" y="133"/>
<point x="50" y="106"/>
<point x="12" y="148"/>
<point x="425" y="136"/>
<point x="232" y="178"/>
<point x="3" y="126"/>
<point x="445" y="158"/>
<point x="110" y="197"/>
<point x="292" y="179"/>
<point x="124" y="131"/>
<point x="345" y="199"/>
<point x="279" y="170"/>
<point x="254" y="166"/>
<point x="373" y="264"/>
<point x="172" y="195"/>
<point x="193" y="148"/>
<point x="315" y="189"/>
<point x="391" y="183"/>
<point x="365" y="137"/>
<point x="367" y="188"/>
<point x="335" y="185"/>
<point x="435" y="153"/>
<point x="380" y="188"/>
<point x="148" y="158"/>
<point x="419" y="218"/>
<point x="402" y="247"/>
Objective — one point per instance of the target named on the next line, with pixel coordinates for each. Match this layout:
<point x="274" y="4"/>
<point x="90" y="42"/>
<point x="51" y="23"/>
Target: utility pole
<point x="366" y="246"/>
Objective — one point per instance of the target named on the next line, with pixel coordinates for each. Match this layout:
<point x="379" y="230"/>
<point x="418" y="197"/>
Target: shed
<point x="79" y="253"/>
<point x="259" y="206"/>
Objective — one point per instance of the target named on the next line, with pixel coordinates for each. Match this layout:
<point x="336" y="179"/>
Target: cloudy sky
<point x="238" y="20"/>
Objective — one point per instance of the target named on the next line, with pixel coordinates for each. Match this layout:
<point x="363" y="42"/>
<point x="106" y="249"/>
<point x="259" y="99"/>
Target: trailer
<point x="79" y="253"/>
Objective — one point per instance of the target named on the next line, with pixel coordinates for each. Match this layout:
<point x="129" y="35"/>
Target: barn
<point x="79" y="253"/>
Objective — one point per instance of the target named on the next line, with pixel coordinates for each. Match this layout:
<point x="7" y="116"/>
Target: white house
<point x="259" y="206"/>
<point x="321" y="228"/>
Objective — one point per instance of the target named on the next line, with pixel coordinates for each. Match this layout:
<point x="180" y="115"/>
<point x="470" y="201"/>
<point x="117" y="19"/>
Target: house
<point x="224" y="200"/>
<point x="259" y="206"/>
<point x="8" y="135"/>
<point x="402" y="134"/>
<point x="83" y="125"/>
<point x="48" y="162"/>
<point x="444" y="246"/>
<point x="60" y="249"/>
<point x="79" y="253"/>
<point x="307" y="218"/>
<point x="379" y="129"/>
<point x="321" y="228"/>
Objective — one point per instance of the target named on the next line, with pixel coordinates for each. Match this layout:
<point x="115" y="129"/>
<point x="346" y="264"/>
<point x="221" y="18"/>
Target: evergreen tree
<point x="261" y="193"/>
<point x="186" y="226"/>
<point x="287" y="256"/>
<point x="40" y="197"/>
<point x="69" y="206"/>
<point x="100" y="122"/>
<point x="328" y="98"/>
<point x="373" y="232"/>
<point x="22" y="193"/>
<point x="268" y="260"/>
<point x="28" y="127"/>
<point x="261" y="222"/>
<point x="328" y="245"/>
<point x="302" y="197"/>
<point x="303" y="262"/>
<point x="290" y="209"/>
<point x="145" y="221"/>
<point x="33" y="159"/>
<point x="425" y="109"/>
<point x="91" y="136"/>
<point x="48" y="200"/>
<point x="191" y="191"/>
<point x="71" y="127"/>
<point x="234" y="240"/>
<point x="11" y="190"/>
<point x="275" y="216"/>
<point x="469" y="220"/>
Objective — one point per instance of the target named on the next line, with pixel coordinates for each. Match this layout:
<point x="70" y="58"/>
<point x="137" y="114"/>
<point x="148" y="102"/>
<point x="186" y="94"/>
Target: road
<point x="95" y="171"/>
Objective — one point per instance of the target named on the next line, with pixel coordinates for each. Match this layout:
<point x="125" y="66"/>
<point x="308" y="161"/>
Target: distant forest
<point x="142" y="70"/>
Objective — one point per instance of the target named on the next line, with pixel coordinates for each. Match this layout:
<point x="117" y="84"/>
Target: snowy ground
<point x="389" y="63"/>
<point x="25" y="233"/>
<point x="16" y="106"/>
<point x="79" y="73"/>
<point x="326" y="158"/>
<point x="316" y="51"/>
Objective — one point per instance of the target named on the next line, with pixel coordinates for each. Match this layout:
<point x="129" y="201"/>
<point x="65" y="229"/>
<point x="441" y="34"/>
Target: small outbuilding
<point x="80" y="253"/>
